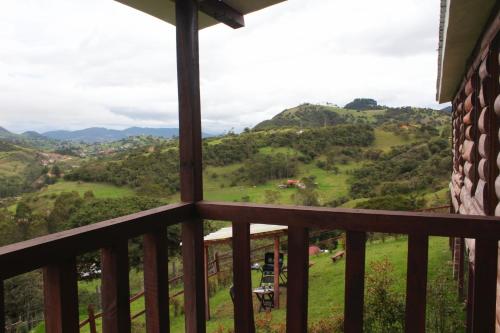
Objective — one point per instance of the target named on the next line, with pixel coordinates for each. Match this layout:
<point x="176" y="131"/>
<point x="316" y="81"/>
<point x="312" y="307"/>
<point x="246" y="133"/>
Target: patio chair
<point x="268" y="267"/>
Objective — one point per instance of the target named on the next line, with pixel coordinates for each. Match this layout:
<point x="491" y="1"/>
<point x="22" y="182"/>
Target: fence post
<point x="217" y="264"/>
<point x="92" y="325"/>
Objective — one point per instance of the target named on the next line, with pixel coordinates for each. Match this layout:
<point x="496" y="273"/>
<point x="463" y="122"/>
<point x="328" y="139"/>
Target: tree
<point x="23" y="218"/>
<point x="56" y="171"/>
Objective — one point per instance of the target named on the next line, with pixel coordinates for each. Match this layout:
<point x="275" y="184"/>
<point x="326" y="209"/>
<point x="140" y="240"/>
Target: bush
<point x="384" y="307"/>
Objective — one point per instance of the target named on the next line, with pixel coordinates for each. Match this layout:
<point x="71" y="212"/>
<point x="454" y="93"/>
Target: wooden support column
<point x="242" y="279"/>
<point x="115" y="288"/>
<point x="416" y="283"/>
<point x="188" y="81"/>
<point x="156" y="281"/>
<point x="354" y="281"/>
<point x="207" y="291"/>
<point x="60" y="291"/>
<point x="297" y="286"/>
<point x="277" y="272"/>
<point x="2" y="308"/>
<point x="485" y="286"/>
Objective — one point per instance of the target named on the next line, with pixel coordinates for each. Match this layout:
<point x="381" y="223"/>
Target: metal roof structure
<point x="256" y="231"/>
<point x="212" y="12"/>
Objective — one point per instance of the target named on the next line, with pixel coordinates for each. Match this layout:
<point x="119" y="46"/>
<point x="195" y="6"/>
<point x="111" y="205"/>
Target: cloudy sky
<point x="71" y="64"/>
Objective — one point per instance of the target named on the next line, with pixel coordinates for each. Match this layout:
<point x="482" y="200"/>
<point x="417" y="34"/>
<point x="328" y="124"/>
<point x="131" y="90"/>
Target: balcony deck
<point x="56" y="255"/>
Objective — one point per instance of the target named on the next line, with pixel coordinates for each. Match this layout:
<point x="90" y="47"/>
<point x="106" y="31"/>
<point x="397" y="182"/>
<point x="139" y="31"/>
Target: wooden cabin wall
<point x="475" y="181"/>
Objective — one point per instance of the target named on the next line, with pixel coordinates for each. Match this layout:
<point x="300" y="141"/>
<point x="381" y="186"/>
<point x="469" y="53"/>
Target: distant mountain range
<point x="101" y="134"/>
<point x="93" y="134"/>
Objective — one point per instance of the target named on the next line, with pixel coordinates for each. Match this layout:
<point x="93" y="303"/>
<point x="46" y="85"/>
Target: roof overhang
<point x="462" y="23"/>
<point x="165" y="9"/>
<point x="256" y="231"/>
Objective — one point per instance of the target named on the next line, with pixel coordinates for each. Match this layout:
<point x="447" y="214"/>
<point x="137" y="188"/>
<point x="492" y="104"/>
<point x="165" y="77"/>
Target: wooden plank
<point x="29" y="255"/>
<point x="456" y="225"/>
<point x="60" y="291"/>
<point x="156" y="281"/>
<point x="297" y="285"/>
<point x="115" y="288"/>
<point x="194" y="286"/>
<point x="276" y="270"/>
<point x="416" y="283"/>
<point x="354" y="281"/>
<point x="207" y="293"/>
<point x="485" y="286"/>
<point x="2" y="308"/>
<point x="242" y="279"/>
<point x="222" y="13"/>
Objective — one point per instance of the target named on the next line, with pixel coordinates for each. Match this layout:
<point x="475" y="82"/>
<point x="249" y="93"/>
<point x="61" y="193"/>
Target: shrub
<point x="384" y="307"/>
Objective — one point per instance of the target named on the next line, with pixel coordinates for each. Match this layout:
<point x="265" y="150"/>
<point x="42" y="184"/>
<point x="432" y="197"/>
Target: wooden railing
<point x="56" y="254"/>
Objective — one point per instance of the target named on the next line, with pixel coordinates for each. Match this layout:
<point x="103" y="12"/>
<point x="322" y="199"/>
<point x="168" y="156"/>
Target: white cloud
<point x="73" y="63"/>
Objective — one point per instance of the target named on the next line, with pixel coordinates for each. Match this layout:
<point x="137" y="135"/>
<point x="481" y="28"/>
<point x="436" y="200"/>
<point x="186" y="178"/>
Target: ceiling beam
<point x="222" y="12"/>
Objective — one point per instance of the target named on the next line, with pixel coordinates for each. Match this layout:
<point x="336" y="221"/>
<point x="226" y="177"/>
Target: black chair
<point x="268" y="268"/>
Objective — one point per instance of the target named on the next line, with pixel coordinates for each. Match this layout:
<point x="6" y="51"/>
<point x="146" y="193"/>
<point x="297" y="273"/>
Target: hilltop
<point x="313" y="115"/>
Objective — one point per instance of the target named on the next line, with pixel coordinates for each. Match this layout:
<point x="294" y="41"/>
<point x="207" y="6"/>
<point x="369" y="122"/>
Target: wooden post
<point x="485" y="285"/>
<point x="207" y="291"/>
<point x="242" y="279"/>
<point x="188" y="81"/>
<point x="297" y="286"/>
<point x="416" y="283"/>
<point x="354" y="281"/>
<point x="470" y="300"/>
<point x="60" y="292"/>
<point x="156" y="282"/>
<point x="276" y="272"/>
<point x="2" y="308"/>
<point x="92" y="325"/>
<point x="115" y="288"/>
<point x="461" y="270"/>
<point x="217" y="263"/>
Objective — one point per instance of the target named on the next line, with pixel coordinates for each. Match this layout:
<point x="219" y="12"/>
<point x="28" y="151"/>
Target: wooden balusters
<point x="156" y="282"/>
<point x="461" y="269"/>
<point x="115" y="288"/>
<point x="242" y="279"/>
<point x="297" y="285"/>
<point x="485" y="286"/>
<point x="416" y="283"/>
<point x="60" y="292"/>
<point x="354" y="281"/>
<point x="2" y="309"/>
<point x="194" y="285"/>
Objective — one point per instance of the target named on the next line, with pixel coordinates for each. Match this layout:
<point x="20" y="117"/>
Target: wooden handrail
<point x="363" y="220"/>
<point x="35" y="253"/>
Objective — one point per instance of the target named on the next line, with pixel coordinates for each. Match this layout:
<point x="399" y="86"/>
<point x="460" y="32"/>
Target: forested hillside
<point x="323" y="155"/>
